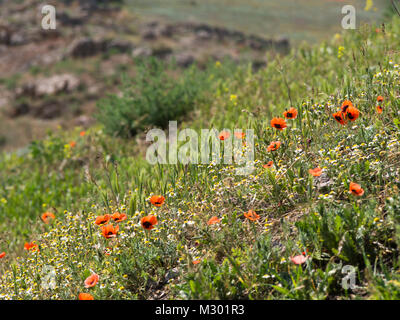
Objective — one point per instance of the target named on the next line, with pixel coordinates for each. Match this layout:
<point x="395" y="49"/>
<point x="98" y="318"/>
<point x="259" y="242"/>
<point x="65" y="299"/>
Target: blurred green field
<point x="310" y="20"/>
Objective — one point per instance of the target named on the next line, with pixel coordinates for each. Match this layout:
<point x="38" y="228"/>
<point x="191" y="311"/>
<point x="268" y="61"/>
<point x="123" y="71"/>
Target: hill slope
<point x="281" y="232"/>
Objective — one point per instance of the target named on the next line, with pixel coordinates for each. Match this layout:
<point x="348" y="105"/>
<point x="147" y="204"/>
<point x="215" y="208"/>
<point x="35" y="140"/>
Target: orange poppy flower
<point x="290" y="114"/>
<point x="85" y="296"/>
<point x="345" y="105"/>
<point x="274" y="145"/>
<point x="213" y="220"/>
<point x="148" y="222"/>
<point x="339" y="117"/>
<point x="2" y="255"/>
<point x="300" y="259"/>
<point x="269" y="164"/>
<point x="82" y="133"/>
<point x="356" y="189"/>
<point x="380" y="99"/>
<point x="72" y="144"/>
<point x="352" y="113"/>
<point x="92" y="280"/>
<point x="278" y="123"/>
<point x="196" y="261"/>
<point x="379" y="109"/>
<point x="47" y="217"/>
<point x="31" y="246"/>
<point x="118" y="217"/>
<point x="251" y="215"/>
<point x="109" y="231"/>
<point x="315" y="172"/>
<point x="224" y="135"/>
<point x="102" y="219"/>
<point x="157" y="200"/>
<point x="239" y="135"/>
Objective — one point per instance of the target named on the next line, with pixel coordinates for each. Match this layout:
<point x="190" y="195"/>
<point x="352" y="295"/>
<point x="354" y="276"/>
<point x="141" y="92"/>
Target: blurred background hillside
<point x="52" y="79"/>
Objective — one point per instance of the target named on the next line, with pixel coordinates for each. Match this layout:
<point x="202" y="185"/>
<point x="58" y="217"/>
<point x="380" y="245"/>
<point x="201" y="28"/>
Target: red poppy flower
<point x="47" y="217"/>
<point x="278" y="123"/>
<point x="85" y="296"/>
<point x="82" y="133"/>
<point x="300" y="259"/>
<point x="148" y="222"/>
<point x="380" y="99"/>
<point x="102" y="219"/>
<point x="356" y="189"/>
<point x="269" y="164"/>
<point x="92" y="280"/>
<point x="251" y="215"/>
<point x="290" y="114"/>
<point x="213" y="220"/>
<point x="352" y="113"/>
<point x="109" y="231"/>
<point x="2" y="255"/>
<point x="379" y="109"/>
<point x="224" y="135"/>
<point x="339" y="117"/>
<point x="118" y="217"/>
<point x="239" y="135"/>
<point x="345" y="105"/>
<point x="157" y="200"/>
<point x="315" y="172"/>
<point x="31" y="246"/>
<point x="274" y="145"/>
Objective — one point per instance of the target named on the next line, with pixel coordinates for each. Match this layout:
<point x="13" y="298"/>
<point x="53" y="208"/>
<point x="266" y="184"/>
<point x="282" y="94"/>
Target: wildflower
<point x="352" y="113"/>
<point x="157" y="200"/>
<point x="118" y="217"/>
<point x="82" y="133"/>
<point x="72" y="144"/>
<point x="315" y="172"/>
<point x="102" y="219"/>
<point x="356" y="189"/>
<point x="380" y="99"/>
<point x="196" y="262"/>
<point x="213" y="220"/>
<point x="345" y="105"/>
<point x="92" y="280"/>
<point x="300" y="259"/>
<point x="278" y="123"/>
<point x="31" y="246"/>
<point x="379" y="109"/>
<point x="239" y="135"/>
<point x="148" y="222"/>
<point x="339" y="117"/>
<point x="47" y="217"/>
<point x="251" y="215"/>
<point x="85" y="296"/>
<point x="2" y="255"/>
<point x="274" y="145"/>
<point x="269" y="164"/>
<point x="290" y="114"/>
<point x="224" y="135"/>
<point x="109" y="231"/>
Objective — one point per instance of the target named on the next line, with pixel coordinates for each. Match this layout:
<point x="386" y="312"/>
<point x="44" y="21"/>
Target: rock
<point x="85" y="47"/>
<point x="184" y="59"/>
<point x="121" y="46"/>
<point x="18" y="110"/>
<point x="149" y="34"/>
<point x="141" y="52"/>
<point x="49" y="86"/>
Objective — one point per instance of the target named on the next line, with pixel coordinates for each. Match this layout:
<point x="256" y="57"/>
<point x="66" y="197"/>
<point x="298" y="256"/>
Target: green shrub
<point x="154" y="97"/>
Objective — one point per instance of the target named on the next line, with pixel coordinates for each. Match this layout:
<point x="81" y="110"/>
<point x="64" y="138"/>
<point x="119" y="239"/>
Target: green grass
<point x="311" y="20"/>
<point x="238" y="258"/>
